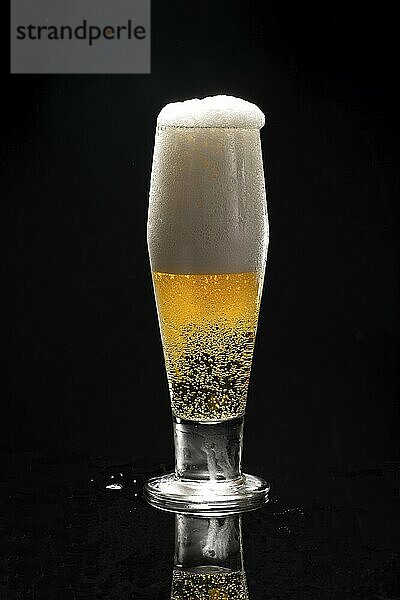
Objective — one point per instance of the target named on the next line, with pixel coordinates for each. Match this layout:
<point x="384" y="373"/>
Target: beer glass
<point x="207" y="241"/>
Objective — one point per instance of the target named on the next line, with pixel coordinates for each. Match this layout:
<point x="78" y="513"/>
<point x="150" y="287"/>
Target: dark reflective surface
<point x="64" y="534"/>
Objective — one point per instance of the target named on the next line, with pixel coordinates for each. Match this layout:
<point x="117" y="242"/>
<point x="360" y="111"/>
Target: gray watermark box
<point x="80" y="36"/>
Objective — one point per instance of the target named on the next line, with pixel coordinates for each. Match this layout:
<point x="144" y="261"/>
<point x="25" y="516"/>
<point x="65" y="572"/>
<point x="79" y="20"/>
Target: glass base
<point x="208" y="475"/>
<point x="202" y="498"/>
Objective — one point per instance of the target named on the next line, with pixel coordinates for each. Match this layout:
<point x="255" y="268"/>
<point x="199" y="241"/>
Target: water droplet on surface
<point x="114" y="486"/>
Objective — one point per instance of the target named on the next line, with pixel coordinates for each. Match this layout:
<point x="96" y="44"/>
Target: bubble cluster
<point x="208" y="325"/>
<point x="217" y="585"/>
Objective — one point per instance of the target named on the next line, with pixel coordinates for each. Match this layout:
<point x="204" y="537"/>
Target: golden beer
<point x="208" y="325"/>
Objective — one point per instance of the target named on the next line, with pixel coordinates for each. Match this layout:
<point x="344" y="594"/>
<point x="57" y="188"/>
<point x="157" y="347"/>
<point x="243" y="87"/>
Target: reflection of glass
<point x="208" y="238"/>
<point x="208" y="559"/>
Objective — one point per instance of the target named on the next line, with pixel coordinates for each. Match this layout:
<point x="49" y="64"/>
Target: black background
<point x="83" y="367"/>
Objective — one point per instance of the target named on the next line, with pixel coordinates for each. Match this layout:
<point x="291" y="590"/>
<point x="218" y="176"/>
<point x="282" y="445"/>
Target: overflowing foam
<point x="213" y="111"/>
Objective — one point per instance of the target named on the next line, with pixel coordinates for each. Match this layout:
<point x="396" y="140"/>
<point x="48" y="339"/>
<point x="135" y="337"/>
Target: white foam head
<point x="213" y="111"/>
<point x="207" y="211"/>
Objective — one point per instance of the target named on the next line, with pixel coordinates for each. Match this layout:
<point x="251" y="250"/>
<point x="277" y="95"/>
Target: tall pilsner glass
<point x="207" y="240"/>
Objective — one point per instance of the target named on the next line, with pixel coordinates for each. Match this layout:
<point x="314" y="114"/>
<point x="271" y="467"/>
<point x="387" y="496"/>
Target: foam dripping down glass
<point x="208" y="239"/>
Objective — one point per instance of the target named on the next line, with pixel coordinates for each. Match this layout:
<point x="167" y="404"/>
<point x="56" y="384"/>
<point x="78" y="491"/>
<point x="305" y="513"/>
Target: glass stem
<point x="208" y="451"/>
